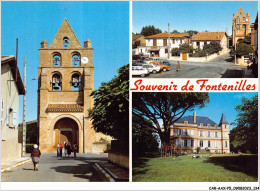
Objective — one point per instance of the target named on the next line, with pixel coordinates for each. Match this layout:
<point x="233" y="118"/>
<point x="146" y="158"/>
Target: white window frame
<point x="191" y="132"/>
<point x="226" y="144"/>
<point x="216" y="134"/>
<point x="201" y="133"/>
<point x="209" y="144"/>
<point x="201" y="143"/>
<point x="192" y="143"/>
<point x="208" y="133"/>
<point x="216" y="144"/>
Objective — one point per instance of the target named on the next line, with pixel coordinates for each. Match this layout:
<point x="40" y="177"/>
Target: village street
<point x="220" y="67"/>
<point x="53" y="169"/>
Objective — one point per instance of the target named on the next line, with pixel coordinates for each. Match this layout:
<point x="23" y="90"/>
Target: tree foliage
<point x="246" y="40"/>
<point x="150" y="30"/>
<point x="212" y="47"/>
<point x="145" y="139"/>
<point x="244" y="136"/>
<point x="167" y="107"/>
<point x="110" y="114"/>
<point x="242" y="49"/>
<point x="192" y="32"/>
<point x="186" y="48"/>
<point x="175" y="52"/>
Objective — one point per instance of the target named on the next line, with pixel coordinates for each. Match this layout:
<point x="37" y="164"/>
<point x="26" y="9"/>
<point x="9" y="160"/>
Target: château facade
<point x="191" y="132"/>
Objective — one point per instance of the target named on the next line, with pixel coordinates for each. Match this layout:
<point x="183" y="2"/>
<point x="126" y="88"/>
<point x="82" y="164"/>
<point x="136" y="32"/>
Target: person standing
<point x="61" y="146"/>
<point x="69" y="149"/>
<point x="35" y="155"/>
<point x="178" y="66"/>
<point x="58" y="149"/>
<point x="65" y="148"/>
<point x="75" y="149"/>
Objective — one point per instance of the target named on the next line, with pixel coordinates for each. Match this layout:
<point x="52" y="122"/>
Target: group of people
<point x="67" y="149"/>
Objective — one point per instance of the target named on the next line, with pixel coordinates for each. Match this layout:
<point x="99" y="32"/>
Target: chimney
<point x="194" y="116"/>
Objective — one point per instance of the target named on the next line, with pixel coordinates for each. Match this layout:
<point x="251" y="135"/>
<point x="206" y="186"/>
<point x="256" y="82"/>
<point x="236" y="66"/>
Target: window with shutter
<point x="8" y="117"/>
<point x="14" y="119"/>
<point x="2" y="110"/>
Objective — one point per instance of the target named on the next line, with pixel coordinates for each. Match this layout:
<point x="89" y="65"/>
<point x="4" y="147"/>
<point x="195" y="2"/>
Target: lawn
<point x="218" y="168"/>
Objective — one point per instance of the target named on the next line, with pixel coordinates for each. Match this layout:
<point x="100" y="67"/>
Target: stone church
<point x="65" y="82"/>
<point x="240" y="25"/>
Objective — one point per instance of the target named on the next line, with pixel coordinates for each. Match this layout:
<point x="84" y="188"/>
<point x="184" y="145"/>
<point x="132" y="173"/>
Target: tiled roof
<point x="15" y="72"/>
<point x="136" y="36"/>
<point x="199" y="119"/>
<point x="165" y="35"/>
<point x="64" y="108"/>
<point x="208" y="36"/>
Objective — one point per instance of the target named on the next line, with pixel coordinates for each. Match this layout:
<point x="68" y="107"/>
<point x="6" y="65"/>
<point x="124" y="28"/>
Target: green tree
<point x="145" y="139"/>
<point x="242" y="49"/>
<point x="110" y="114"/>
<point x="150" y="30"/>
<point x="175" y="52"/>
<point x="192" y="32"/>
<point x="246" y="40"/>
<point x="175" y="32"/>
<point x="165" y="107"/>
<point x="244" y="136"/>
<point x="212" y="47"/>
<point x="186" y="48"/>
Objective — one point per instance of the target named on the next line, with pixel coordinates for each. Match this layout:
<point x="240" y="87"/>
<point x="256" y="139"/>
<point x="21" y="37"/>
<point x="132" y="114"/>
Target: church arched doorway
<point x="66" y="130"/>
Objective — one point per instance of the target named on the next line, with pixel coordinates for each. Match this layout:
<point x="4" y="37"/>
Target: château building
<point x="191" y="132"/>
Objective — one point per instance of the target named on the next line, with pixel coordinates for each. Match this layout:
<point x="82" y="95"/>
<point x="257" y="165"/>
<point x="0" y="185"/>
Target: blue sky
<point x="106" y="24"/>
<point x="188" y="15"/>
<point x="222" y="102"/>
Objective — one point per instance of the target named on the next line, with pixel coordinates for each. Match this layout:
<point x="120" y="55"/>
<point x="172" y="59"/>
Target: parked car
<point x="162" y="66"/>
<point x="136" y="57"/>
<point x="165" y="62"/>
<point x="152" y="68"/>
<point x="153" y="59"/>
<point x="139" y="71"/>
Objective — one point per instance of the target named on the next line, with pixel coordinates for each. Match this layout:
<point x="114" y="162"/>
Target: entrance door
<point x="184" y="56"/>
<point x="66" y="136"/>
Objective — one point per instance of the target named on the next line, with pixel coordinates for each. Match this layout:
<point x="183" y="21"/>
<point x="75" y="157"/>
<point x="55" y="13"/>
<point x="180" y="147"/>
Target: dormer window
<point x="75" y="82"/>
<point x="75" y="60"/>
<point x="65" y="42"/>
<point x="185" y="122"/>
<point x="56" y="82"/>
<point x="201" y="124"/>
<point x="56" y="60"/>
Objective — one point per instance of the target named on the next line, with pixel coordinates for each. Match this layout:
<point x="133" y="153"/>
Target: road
<point x="53" y="169"/>
<point x="220" y="67"/>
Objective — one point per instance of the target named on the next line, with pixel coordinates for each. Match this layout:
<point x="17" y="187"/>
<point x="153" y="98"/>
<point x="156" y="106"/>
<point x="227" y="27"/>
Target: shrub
<point x="186" y="48"/>
<point x="175" y="52"/>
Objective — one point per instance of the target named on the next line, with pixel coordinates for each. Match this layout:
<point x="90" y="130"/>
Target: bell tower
<point x="65" y="82"/>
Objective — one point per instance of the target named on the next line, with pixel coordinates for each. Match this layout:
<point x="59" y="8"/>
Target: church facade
<point x="65" y="82"/>
<point x="240" y="26"/>
<point x="191" y="132"/>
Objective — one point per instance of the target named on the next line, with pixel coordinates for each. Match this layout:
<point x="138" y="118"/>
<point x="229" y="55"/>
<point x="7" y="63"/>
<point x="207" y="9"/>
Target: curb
<point x="16" y="165"/>
<point x="109" y="178"/>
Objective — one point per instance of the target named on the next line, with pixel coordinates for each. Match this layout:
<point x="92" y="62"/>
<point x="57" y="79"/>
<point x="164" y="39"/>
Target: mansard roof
<point x="199" y="119"/>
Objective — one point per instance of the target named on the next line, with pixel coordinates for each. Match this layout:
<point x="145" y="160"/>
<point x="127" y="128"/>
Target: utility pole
<point x="24" y="103"/>
<point x="169" y="41"/>
<point x="235" y="40"/>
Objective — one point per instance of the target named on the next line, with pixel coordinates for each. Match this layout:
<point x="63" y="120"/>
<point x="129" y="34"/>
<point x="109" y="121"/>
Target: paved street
<point x="221" y="67"/>
<point x="53" y="169"/>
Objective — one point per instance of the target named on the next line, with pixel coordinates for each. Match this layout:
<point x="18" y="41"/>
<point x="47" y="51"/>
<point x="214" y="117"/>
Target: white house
<point x="202" y="38"/>
<point x="11" y="88"/>
<point x="157" y="45"/>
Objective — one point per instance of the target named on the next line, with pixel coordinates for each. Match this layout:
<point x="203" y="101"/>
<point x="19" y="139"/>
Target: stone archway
<point x="66" y="130"/>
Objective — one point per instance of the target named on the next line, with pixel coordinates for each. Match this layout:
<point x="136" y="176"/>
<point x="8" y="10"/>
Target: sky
<point x="188" y="15"/>
<point x="219" y="103"/>
<point x="106" y="24"/>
